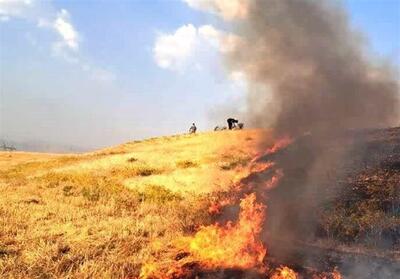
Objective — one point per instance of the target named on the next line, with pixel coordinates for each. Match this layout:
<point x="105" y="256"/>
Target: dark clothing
<point x="231" y="123"/>
<point x="193" y="129"/>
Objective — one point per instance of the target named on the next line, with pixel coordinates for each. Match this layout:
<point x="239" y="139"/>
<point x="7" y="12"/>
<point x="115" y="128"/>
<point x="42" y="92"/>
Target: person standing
<point x="193" y="129"/>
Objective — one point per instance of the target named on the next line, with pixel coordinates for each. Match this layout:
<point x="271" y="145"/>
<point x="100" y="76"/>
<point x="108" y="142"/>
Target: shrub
<point x="186" y="164"/>
<point x="134" y="170"/>
<point x="233" y="162"/>
<point x="91" y="194"/>
<point x="146" y="171"/>
<point x="132" y="160"/>
<point x="67" y="190"/>
<point x="159" y="194"/>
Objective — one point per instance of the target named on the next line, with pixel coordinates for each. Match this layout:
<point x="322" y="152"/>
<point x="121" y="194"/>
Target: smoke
<point x="309" y="73"/>
<point x="311" y="78"/>
<point x="316" y="74"/>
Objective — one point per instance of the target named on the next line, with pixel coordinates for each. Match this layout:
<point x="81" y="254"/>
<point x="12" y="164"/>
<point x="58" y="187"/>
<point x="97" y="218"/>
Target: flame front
<point x="234" y="245"/>
<point x="215" y="207"/>
<point x="284" y="272"/>
<point x="279" y="144"/>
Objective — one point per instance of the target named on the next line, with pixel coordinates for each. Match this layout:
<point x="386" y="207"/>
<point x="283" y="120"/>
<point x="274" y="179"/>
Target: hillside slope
<point x="109" y="213"/>
<point x="96" y="214"/>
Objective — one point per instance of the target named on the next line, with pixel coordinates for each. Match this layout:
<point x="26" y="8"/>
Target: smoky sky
<point x="310" y="71"/>
<point x="312" y="78"/>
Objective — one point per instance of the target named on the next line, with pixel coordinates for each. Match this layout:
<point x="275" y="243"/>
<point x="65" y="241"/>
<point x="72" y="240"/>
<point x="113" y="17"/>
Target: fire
<point x="215" y="208"/>
<point x="273" y="182"/>
<point x="234" y="245"/>
<point x="260" y="166"/>
<point x="278" y="145"/>
<point x="147" y="270"/>
<point x="284" y="272"/>
<point x="253" y="167"/>
<point x="336" y="274"/>
<point x="152" y="270"/>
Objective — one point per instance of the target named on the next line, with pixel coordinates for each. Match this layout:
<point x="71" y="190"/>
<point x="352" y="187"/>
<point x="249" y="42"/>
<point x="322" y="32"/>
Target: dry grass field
<point x="106" y="213"/>
<point x="122" y="211"/>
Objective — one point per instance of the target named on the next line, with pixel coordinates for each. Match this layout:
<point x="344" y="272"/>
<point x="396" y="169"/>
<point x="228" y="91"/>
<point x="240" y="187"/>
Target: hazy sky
<point x="96" y="73"/>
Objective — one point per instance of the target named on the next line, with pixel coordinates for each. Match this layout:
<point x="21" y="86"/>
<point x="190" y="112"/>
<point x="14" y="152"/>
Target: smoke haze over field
<point x="308" y="72"/>
<point x="303" y="58"/>
<point x="62" y="81"/>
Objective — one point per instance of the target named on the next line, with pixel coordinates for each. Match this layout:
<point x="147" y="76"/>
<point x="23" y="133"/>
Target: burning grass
<point x="233" y="245"/>
<point x="108" y="216"/>
<point x="77" y="216"/>
<point x="284" y="272"/>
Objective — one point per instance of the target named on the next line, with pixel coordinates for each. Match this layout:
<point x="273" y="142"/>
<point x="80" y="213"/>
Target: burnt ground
<point x="192" y="270"/>
<point x="337" y="206"/>
<point x="338" y="203"/>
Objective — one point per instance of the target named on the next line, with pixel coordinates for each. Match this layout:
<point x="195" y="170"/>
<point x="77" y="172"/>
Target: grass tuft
<point x="231" y="162"/>
<point x="158" y="194"/>
<point x="184" y="164"/>
<point x="132" y="160"/>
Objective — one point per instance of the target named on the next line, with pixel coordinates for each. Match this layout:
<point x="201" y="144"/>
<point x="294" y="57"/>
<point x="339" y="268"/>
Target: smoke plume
<point x="309" y="73"/>
<point x="310" y="69"/>
<point x="311" y="78"/>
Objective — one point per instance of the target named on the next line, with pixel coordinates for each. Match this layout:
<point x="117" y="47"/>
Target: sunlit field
<point x="104" y="214"/>
<point x="150" y="209"/>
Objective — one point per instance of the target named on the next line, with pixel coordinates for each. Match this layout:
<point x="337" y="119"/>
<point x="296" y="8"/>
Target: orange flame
<point x="336" y="274"/>
<point x="152" y="270"/>
<point x="284" y="272"/>
<point x="278" y="145"/>
<point x="215" y="208"/>
<point x="234" y="245"/>
<point x="149" y="269"/>
<point x="253" y="167"/>
<point x="273" y="182"/>
<point x="260" y="166"/>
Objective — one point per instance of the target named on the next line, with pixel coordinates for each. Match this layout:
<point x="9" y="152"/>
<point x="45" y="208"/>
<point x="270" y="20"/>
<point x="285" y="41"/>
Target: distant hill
<point x="42" y="146"/>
